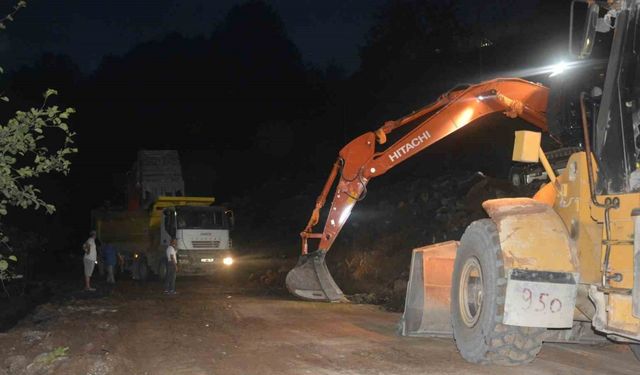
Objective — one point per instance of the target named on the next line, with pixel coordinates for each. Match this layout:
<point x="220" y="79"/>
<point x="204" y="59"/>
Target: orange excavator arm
<point x="358" y="163"/>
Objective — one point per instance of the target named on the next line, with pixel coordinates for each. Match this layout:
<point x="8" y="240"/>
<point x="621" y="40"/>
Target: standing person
<point x="109" y="260"/>
<point x="90" y="257"/>
<point x="99" y="257"/>
<point x="172" y="268"/>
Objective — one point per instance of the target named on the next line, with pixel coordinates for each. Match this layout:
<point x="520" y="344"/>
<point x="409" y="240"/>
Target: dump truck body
<point x="142" y="236"/>
<point x="158" y="211"/>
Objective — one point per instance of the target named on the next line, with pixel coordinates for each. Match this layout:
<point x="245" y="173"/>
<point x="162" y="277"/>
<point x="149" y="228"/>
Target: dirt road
<point x="212" y="328"/>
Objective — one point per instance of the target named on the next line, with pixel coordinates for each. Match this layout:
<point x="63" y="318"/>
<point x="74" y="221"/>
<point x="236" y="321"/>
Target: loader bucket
<point x="428" y="299"/>
<point x="310" y="279"/>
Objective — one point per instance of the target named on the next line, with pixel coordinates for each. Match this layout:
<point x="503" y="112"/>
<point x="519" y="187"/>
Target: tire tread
<point x="506" y="345"/>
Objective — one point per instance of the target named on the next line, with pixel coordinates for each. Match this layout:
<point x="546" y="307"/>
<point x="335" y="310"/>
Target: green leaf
<point x="50" y="92"/>
<point x="13" y="258"/>
<point x="4" y="98"/>
<point x="3" y="265"/>
<point x="59" y="352"/>
<point x="23" y="157"/>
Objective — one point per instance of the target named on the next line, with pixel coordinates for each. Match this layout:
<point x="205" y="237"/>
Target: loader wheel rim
<point x="471" y="292"/>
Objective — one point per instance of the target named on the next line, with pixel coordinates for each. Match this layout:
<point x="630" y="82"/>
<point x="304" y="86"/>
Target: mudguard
<point x="533" y="237"/>
<point x="540" y="263"/>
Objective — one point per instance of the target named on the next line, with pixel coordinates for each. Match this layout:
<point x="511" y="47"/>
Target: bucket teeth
<point x="310" y="279"/>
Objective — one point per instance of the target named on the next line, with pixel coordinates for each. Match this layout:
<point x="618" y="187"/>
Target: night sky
<point x="324" y="31"/>
<point x="258" y="96"/>
<point x="328" y="31"/>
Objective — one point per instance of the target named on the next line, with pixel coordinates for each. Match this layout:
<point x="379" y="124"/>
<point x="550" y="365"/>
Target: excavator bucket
<point x="310" y="279"/>
<point x="426" y="308"/>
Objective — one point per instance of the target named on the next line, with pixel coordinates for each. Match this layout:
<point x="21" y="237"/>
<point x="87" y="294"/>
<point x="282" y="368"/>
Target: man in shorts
<point x="90" y="256"/>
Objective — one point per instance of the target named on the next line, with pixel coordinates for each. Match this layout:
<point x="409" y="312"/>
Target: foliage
<point x="4" y="263"/>
<point x="57" y="353"/>
<point x="7" y="270"/>
<point x="29" y="148"/>
<point x="9" y="17"/>
<point x="23" y="156"/>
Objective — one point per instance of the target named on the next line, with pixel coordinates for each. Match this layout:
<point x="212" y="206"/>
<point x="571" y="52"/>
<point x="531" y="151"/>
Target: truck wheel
<point x="162" y="269"/>
<point x="635" y="349"/>
<point x="477" y="303"/>
<point x="143" y="270"/>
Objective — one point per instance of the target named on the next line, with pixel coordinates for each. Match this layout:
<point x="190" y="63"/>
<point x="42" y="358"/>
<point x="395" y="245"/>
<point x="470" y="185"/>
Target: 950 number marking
<point x="531" y="303"/>
<point x="543" y="303"/>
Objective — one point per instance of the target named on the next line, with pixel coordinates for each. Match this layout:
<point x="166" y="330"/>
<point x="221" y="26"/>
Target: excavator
<point x="563" y="265"/>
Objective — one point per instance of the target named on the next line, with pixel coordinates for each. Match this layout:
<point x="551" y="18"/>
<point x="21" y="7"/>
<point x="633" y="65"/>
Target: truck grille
<point x="205" y="244"/>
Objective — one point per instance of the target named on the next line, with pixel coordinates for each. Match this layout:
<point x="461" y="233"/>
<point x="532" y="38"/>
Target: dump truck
<point x="156" y="212"/>
<point x="563" y="265"/>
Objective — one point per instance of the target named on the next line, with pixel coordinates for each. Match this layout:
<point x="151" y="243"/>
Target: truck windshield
<point x="200" y="218"/>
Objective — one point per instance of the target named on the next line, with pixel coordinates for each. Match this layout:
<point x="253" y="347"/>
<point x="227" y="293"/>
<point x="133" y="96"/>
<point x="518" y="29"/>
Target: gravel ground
<point x="221" y="326"/>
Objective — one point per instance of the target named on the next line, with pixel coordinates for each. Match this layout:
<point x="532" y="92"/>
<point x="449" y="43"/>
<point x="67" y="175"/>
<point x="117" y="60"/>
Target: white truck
<point x="156" y="213"/>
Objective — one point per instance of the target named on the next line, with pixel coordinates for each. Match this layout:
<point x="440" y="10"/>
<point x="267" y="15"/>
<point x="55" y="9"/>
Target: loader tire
<point x="477" y="309"/>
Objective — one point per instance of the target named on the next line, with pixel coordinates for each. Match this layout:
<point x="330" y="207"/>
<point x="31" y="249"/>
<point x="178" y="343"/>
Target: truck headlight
<point x="227" y="261"/>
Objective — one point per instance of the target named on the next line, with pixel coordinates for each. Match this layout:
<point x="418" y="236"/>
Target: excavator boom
<point x="358" y="163"/>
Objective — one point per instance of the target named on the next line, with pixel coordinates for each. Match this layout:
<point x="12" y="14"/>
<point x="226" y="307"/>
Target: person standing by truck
<point x="90" y="256"/>
<point x="99" y="257"/>
<point x="172" y="268"/>
<point x="109" y="260"/>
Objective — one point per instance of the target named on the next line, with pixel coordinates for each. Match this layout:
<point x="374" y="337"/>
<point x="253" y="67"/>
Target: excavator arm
<point x="358" y="163"/>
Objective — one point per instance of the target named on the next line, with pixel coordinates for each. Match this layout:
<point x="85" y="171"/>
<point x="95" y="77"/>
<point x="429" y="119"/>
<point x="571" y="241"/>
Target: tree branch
<point x="9" y="17"/>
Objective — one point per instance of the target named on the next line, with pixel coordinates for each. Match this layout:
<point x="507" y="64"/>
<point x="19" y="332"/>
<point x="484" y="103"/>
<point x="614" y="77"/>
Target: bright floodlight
<point x="558" y="68"/>
<point x="227" y="261"/>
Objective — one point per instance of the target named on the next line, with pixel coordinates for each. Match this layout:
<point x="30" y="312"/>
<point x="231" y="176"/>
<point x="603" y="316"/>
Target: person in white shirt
<point x="172" y="268"/>
<point x="90" y="256"/>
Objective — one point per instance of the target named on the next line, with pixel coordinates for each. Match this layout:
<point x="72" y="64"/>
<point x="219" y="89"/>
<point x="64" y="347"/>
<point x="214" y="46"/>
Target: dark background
<point x="259" y="96"/>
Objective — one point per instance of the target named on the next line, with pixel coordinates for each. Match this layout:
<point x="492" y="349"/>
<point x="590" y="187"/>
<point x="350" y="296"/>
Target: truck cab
<point x="156" y="211"/>
<point x="202" y="234"/>
<point x="201" y="229"/>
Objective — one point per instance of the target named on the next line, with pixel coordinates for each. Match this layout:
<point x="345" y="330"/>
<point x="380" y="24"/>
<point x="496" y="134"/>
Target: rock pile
<point x="371" y="258"/>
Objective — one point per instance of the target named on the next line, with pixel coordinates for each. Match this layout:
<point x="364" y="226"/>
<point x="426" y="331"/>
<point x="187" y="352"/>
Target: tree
<point x="33" y="143"/>
<point x="25" y="155"/>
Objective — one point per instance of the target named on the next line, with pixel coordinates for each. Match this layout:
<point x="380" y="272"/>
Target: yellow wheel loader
<point x="561" y="266"/>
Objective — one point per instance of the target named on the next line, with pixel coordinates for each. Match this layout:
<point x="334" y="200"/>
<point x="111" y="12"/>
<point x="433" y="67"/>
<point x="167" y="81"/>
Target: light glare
<point x="558" y="68"/>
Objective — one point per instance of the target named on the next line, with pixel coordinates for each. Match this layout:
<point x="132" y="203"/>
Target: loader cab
<point x="613" y="105"/>
<point x="590" y="44"/>
<point x="565" y="136"/>
<point x="617" y="125"/>
<point x="563" y="108"/>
